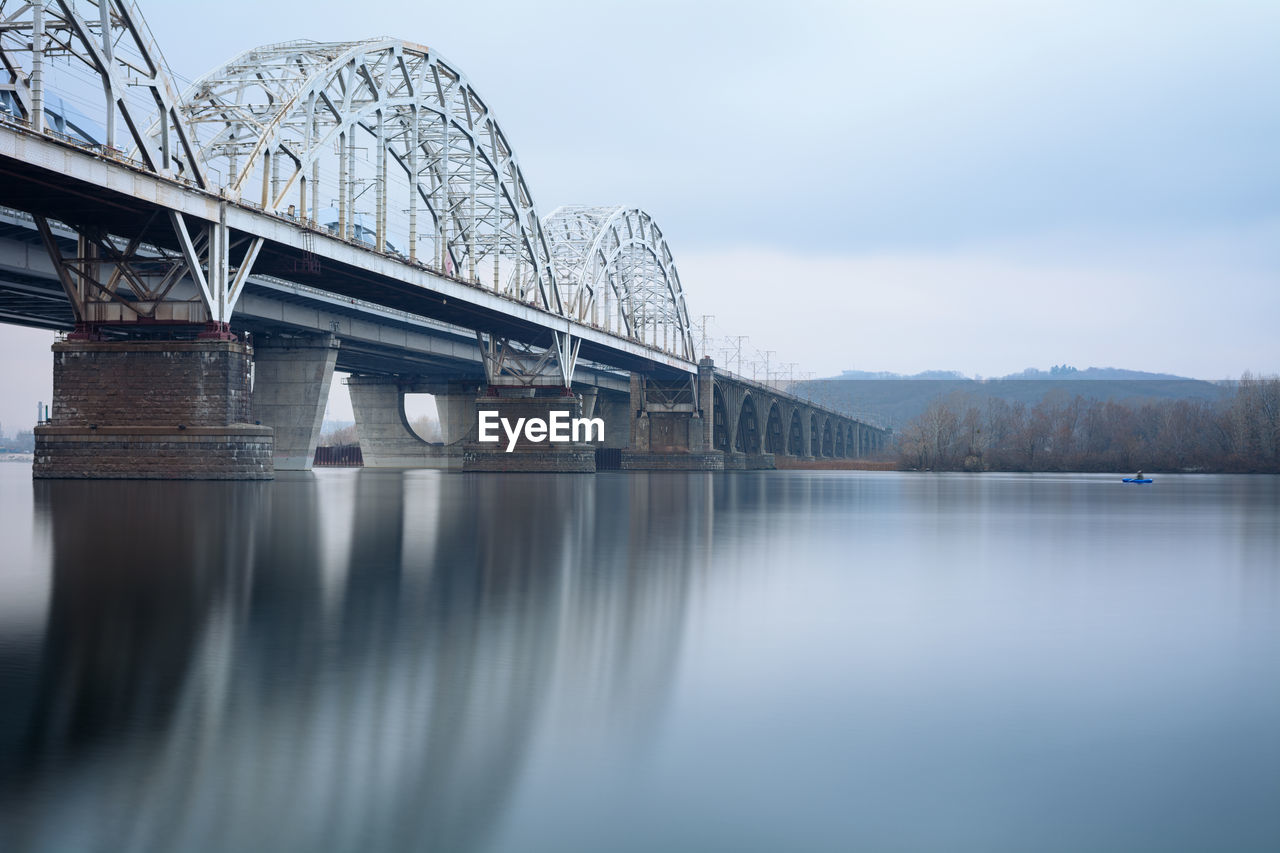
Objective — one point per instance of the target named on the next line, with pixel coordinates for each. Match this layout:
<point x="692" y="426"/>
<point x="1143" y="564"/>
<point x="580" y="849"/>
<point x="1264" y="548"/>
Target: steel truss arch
<point x="616" y="272"/>
<point x="112" y="39"/>
<point x="358" y="137"/>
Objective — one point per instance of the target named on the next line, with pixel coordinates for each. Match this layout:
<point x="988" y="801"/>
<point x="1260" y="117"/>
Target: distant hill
<point x="928" y="374"/>
<point x="1055" y="372"/>
<point x="894" y="399"/>
<point x="1065" y="372"/>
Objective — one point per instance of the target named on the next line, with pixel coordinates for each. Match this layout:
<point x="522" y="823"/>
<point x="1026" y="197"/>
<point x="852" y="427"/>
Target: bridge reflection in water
<point x="242" y="666"/>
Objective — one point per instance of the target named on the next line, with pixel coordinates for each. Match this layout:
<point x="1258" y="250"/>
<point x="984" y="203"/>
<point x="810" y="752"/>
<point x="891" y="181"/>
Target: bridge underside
<point x="302" y="334"/>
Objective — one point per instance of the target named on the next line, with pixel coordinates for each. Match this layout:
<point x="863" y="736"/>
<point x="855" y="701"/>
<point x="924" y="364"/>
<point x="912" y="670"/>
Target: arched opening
<point x="815" y="437"/>
<point x="773" y="442"/>
<point x="795" y="435"/>
<point x="747" y="436"/>
<point x="839" y="444"/>
<point x="850" y="445"/>
<point x="720" y="415"/>
<point x="422" y="417"/>
<point x="828" y="440"/>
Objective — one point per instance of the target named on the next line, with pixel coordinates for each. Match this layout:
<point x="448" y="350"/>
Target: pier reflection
<point x="347" y="661"/>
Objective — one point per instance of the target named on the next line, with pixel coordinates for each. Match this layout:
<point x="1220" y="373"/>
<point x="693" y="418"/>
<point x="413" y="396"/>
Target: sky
<point x="900" y="185"/>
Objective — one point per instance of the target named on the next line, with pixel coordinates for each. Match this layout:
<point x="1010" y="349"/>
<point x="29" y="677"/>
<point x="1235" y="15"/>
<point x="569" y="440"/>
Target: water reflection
<point x="749" y="661"/>
<point x="354" y="660"/>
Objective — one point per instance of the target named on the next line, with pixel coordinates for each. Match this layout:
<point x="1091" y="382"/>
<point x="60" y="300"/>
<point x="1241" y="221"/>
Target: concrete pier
<point x="387" y="440"/>
<point x="175" y="410"/>
<point x="456" y="410"/>
<point x="291" y="378"/>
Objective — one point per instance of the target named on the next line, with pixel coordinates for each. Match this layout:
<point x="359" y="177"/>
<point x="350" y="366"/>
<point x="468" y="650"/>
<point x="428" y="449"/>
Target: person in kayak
<point x="1138" y="476"/>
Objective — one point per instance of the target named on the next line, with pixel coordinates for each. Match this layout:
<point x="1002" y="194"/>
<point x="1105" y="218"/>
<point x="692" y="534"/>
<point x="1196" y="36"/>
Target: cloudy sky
<point x="896" y="185"/>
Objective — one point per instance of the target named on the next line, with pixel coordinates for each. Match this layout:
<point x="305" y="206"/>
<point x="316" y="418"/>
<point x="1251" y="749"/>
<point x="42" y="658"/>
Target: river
<point x="362" y="660"/>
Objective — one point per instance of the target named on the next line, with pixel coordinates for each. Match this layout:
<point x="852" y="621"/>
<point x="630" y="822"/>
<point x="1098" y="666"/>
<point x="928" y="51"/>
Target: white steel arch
<point x="383" y="142"/>
<point x="616" y="272"/>
<point x="56" y="49"/>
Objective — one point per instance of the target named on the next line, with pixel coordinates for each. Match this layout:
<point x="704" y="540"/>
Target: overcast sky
<point x="898" y="185"/>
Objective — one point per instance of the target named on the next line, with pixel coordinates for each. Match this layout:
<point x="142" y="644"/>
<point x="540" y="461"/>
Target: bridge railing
<point x="99" y="149"/>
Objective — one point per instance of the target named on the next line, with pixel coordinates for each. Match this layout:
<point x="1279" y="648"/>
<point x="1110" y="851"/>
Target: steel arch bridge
<point x="376" y="169"/>
<point x="381" y="142"/>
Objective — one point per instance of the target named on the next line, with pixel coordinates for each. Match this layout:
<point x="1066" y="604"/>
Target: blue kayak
<point x="1136" y="481"/>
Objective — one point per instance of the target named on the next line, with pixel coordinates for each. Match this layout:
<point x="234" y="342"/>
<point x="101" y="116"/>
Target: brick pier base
<point x="749" y="462"/>
<point x="152" y="410"/>
<point x="644" y="460"/>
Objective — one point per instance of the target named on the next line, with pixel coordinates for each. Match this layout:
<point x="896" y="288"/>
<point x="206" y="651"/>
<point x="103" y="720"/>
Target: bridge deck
<point x="43" y="175"/>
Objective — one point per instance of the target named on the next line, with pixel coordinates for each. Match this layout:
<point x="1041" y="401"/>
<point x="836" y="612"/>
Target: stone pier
<point x="173" y="410"/>
<point x="291" y="378"/>
<point x="670" y="428"/>
<point x="736" y="461"/>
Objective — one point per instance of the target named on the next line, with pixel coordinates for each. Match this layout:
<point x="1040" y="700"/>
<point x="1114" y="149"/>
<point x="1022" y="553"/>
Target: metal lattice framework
<point x="109" y="39"/>
<point x="381" y="142"/>
<point x="617" y="273"/>
<point x="362" y="138"/>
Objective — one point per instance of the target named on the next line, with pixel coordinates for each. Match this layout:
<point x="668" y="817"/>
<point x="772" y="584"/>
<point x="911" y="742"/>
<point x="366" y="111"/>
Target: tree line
<point x="1239" y="433"/>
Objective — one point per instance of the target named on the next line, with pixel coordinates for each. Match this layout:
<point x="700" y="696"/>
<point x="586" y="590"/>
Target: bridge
<point x="215" y="255"/>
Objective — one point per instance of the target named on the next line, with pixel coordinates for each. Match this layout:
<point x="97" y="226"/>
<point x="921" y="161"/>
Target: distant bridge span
<point x="369" y="177"/>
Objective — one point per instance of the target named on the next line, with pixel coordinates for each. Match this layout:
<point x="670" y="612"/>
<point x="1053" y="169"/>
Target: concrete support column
<point x="707" y="401"/>
<point x="456" y="407"/>
<point x="291" y="381"/>
<point x="386" y="440"/>
<point x="589" y="395"/>
<point x="639" y="416"/>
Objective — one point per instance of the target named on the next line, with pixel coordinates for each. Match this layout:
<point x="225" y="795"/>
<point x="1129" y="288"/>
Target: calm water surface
<point x="781" y="661"/>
